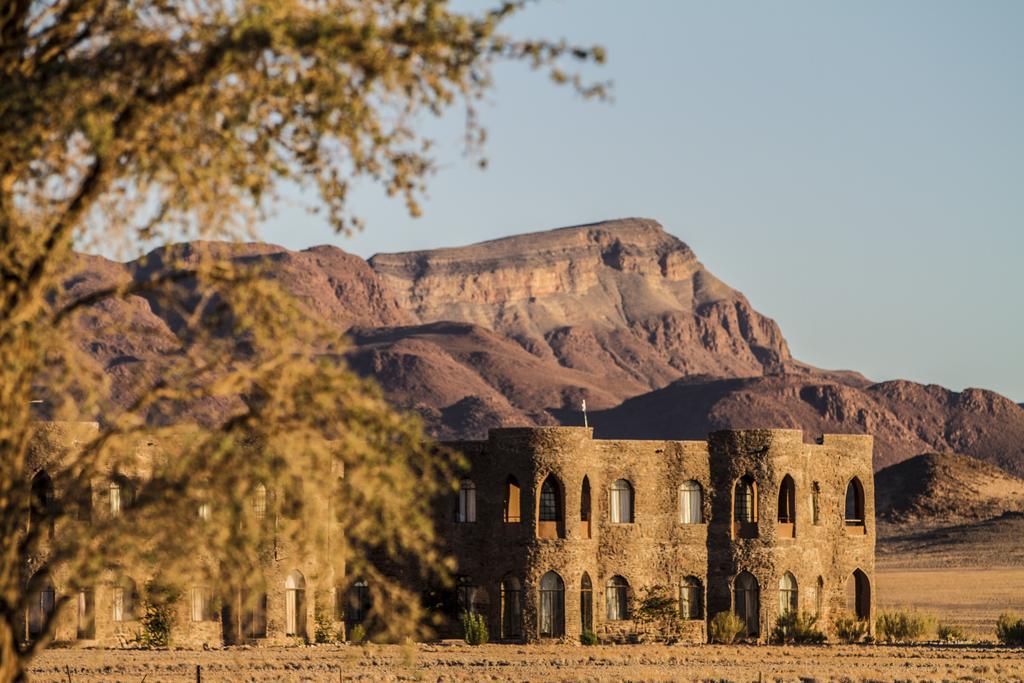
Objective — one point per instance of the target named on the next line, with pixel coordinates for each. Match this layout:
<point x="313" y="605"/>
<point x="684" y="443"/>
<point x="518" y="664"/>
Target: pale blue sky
<point x="856" y="169"/>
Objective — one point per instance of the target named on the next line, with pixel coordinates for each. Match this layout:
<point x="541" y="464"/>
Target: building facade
<point x="557" y="533"/>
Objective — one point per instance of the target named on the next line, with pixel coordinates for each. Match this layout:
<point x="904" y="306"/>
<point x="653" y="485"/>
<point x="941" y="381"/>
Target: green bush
<point x="726" y="627"/>
<point x="849" y="629"/>
<point x="357" y="635"/>
<point x="656" y="615"/>
<point x="1010" y="629"/>
<point x="158" y="601"/>
<point x="797" y="627"/>
<point x="949" y="633"/>
<point x="474" y="628"/>
<point x="588" y="638"/>
<point x="900" y="626"/>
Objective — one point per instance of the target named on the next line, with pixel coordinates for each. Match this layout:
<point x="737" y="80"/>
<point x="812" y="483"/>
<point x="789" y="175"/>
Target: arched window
<point x="41" y="510"/>
<point x="816" y="503"/>
<point x="586" y="604"/>
<point x="86" y="627"/>
<point x="744" y="501"/>
<point x="787" y="508"/>
<point x="119" y="495"/>
<point x="125" y="592"/>
<point x="512" y="513"/>
<point x="550" y="523"/>
<point x="254" y="613"/>
<point x="858" y="595"/>
<point x="690" y="503"/>
<point x="617" y="599"/>
<point x="511" y="608"/>
<point x="358" y="607"/>
<point x="746" y="602"/>
<point x="819" y="598"/>
<point x="295" y="604"/>
<point x="465" y="508"/>
<point x="585" y="511"/>
<point x="40" y="608"/>
<point x="552" y="606"/>
<point x="201" y="603"/>
<point x="787" y="593"/>
<point x="259" y="501"/>
<point x="691" y="598"/>
<point x="855" y="503"/>
<point x="622" y="502"/>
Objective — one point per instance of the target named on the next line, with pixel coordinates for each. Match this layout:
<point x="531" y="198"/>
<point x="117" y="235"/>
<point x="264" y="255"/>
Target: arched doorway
<point x="858" y="595"/>
<point x="586" y="604"/>
<point x="295" y="605"/>
<point x="746" y="601"/>
<point x="552" y="606"/>
<point x="511" y="608"/>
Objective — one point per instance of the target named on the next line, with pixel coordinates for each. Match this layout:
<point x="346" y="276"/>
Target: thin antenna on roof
<point x="585" y="413"/>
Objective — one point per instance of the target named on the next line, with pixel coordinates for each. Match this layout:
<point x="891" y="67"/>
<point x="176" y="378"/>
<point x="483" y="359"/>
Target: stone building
<point x="556" y="533"/>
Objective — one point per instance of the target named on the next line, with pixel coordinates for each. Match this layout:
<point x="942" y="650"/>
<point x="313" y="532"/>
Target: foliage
<point x="357" y="635"/>
<point x="1010" y="629"/>
<point x="726" y="627"/>
<point x="901" y="626"/>
<point x="474" y="628"/>
<point x="324" y="630"/>
<point x="656" y="615"/>
<point x="130" y="124"/>
<point x="588" y="638"/>
<point x="950" y="633"/>
<point x="850" y="629"/>
<point x="799" y="628"/>
<point x="158" y="603"/>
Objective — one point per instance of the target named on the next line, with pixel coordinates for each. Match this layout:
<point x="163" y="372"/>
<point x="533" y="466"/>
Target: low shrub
<point x="1010" y="629"/>
<point x="588" y="638"/>
<point x="324" y="631"/>
<point x="726" y="627"/>
<point x="850" y="629"/>
<point x="656" y="616"/>
<point x="949" y="633"/>
<point x="799" y="628"/>
<point x="474" y="628"/>
<point x="901" y="626"/>
<point x="158" y="607"/>
<point x="357" y="635"/>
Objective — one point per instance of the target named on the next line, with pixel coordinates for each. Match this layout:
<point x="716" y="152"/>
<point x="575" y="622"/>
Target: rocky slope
<point x="520" y="330"/>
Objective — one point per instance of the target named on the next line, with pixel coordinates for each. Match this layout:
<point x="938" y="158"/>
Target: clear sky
<point x="856" y="169"/>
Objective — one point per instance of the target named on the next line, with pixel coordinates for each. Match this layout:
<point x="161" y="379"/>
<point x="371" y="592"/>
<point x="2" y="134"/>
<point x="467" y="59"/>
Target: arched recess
<point x="550" y="516"/>
<point x="747" y="601"/>
<point x="622" y="502"/>
<point x="786" y="527"/>
<point x="744" y="508"/>
<point x="552" y="606"/>
<point x="854" y="508"/>
<point x="511" y="608"/>
<point x="788" y="595"/>
<point x="617" y="599"/>
<point x="586" y="511"/>
<point x="858" y="595"/>
<point x="512" y="513"/>
<point x="586" y="604"/>
<point x="295" y="604"/>
<point x="41" y="510"/>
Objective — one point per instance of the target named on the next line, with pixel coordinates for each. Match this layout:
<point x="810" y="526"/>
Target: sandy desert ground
<point x="459" y="662"/>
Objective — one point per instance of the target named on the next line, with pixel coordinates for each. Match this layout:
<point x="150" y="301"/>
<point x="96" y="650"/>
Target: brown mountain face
<point x="519" y="330"/>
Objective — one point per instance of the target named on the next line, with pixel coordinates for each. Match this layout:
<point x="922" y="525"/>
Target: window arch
<point x="744" y="508"/>
<point x="119" y="494"/>
<point x="512" y="513"/>
<point x="465" y="505"/>
<point x="295" y="604"/>
<point x="511" y="607"/>
<point x="691" y="598"/>
<point x="787" y="593"/>
<point x="621" y="502"/>
<point x="359" y="602"/>
<point x="746" y="602"/>
<point x="86" y="627"/>
<point x="787" y="508"/>
<point x="125" y="592"/>
<point x="40" y="608"/>
<point x="41" y="510"/>
<point x="550" y="520"/>
<point x="552" y="606"/>
<point x="858" y="594"/>
<point x="585" y="507"/>
<point x="854" y="503"/>
<point x="586" y="604"/>
<point x="259" y="501"/>
<point x="691" y="497"/>
<point x="617" y="599"/>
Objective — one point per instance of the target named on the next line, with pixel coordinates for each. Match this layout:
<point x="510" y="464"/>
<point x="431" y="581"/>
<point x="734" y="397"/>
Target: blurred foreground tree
<point x="128" y="122"/>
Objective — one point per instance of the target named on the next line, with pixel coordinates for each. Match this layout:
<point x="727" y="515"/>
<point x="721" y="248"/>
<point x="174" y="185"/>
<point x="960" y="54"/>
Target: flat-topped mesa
<point x="603" y="274"/>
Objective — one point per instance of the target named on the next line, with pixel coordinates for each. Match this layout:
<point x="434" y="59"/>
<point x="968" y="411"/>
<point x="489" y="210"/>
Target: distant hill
<point x="520" y="330"/>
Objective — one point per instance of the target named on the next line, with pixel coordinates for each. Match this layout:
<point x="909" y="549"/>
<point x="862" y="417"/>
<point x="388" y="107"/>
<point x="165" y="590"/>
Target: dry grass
<point x="459" y="662"/>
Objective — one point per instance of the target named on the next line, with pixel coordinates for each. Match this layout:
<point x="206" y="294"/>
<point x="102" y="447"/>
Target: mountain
<point x="520" y="330"/>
